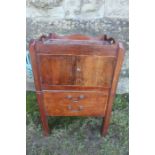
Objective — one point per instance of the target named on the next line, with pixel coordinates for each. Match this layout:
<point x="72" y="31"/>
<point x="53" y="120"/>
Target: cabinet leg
<point x="106" y="120"/>
<point x="43" y="115"/>
<point x="105" y="126"/>
<point x="44" y="125"/>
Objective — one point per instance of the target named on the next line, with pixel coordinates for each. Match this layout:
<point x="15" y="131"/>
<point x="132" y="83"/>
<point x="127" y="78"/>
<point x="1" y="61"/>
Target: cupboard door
<point x="81" y="70"/>
<point x="57" y="69"/>
<point x="94" y="70"/>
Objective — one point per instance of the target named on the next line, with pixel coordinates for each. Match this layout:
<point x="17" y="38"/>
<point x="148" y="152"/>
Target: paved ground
<point x="78" y="135"/>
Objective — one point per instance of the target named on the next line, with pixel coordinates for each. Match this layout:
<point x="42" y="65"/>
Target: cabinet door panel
<point x="57" y="70"/>
<point x="94" y="70"/>
<point x="82" y="70"/>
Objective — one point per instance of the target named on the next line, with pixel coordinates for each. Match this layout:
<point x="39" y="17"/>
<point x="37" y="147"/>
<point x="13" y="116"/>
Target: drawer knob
<point x="69" y="96"/>
<point x="81" y="96"/>
<point x="78" y="69"/>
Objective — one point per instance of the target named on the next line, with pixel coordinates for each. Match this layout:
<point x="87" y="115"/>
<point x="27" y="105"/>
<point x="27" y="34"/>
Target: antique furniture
<point x="75" y="75"/>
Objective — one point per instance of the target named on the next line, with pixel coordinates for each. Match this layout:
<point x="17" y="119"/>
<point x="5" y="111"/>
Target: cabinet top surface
<point x="78" y="39"/>
<point x="76" y="44"/>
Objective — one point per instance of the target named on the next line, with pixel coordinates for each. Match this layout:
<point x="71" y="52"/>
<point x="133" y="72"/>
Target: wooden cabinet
<point x="75" y="75"/>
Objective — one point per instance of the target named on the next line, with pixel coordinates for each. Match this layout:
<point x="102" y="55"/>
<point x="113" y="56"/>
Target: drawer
<point x="75" y="103"/>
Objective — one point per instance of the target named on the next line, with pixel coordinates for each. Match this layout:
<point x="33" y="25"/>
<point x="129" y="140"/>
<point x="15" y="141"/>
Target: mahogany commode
<point x="75" y="75"/>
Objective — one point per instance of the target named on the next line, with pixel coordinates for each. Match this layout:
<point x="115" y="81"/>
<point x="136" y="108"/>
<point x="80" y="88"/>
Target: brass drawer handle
<point x="75" y="110"/>
<point x="75" y="100"/>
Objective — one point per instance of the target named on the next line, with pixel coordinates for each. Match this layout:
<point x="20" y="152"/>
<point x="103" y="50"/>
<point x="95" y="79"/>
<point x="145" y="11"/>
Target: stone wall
<point x="91" y="17"/>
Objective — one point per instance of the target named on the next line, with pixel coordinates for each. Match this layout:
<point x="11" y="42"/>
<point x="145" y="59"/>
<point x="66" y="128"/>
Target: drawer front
<point x="75" y="103"/>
